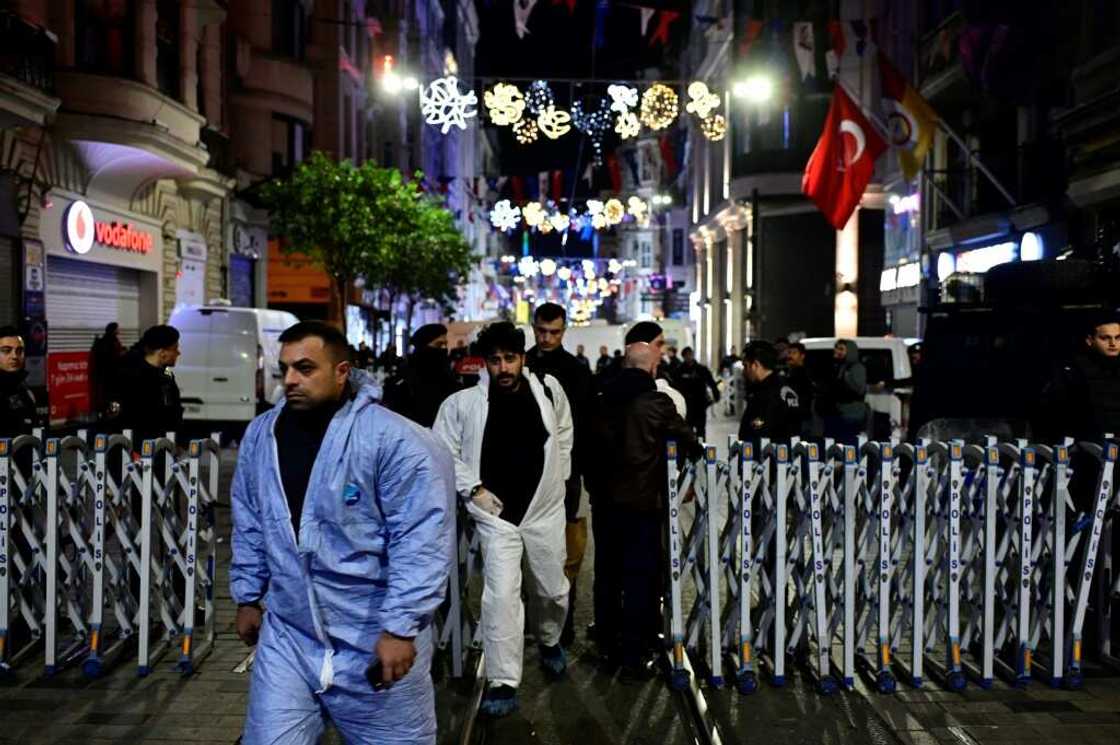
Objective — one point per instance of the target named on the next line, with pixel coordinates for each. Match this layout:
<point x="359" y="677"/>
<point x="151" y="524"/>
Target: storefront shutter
<point x="82" y="297"/>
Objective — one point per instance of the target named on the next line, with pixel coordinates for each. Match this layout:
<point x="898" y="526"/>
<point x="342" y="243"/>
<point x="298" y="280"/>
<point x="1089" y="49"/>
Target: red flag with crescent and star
<point x="843" y="161"/>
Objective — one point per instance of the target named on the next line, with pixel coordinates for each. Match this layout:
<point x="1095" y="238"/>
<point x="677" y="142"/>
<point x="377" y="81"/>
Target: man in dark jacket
<point x="104" y="357"/>
<point x="418" y="389"/>
<point x="627" y="482"/>
<point x="695" y="381"/>
<point x="1082" y="399"/>
<point x="548" y="357"/>
<point x="844" y="408"/>
<point x="18" y="415"/>
<point x="797" y="377"/>
<point x="145" y="394"/>
<point x="770" y="408"/>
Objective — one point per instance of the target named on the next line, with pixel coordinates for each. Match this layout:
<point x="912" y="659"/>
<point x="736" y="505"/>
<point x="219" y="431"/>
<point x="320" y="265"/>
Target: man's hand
<point x="248" y="623"/>
<point x="397" y="653"/>
<point x="487" y="502"/>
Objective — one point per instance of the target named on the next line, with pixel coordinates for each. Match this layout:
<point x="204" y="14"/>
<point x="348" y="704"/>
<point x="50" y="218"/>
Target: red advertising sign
<point x="470" y="366"/>
<point x="68" y="385"/>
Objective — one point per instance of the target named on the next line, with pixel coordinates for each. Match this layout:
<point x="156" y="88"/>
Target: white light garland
<point x="627" y="125"/>
<point x="534" y="214"/>
<point x="703" y="102"/>
<point x="445" y="106"/>
<point x="554" y="123"/>
<point x="539" y="97"/>
<point x="714" y="127"/>
<point x="560" y="222"/>
<point x="526" y="131"/>
<point x="660" y="106"/>
<point x="505" y="216"/>
<point x="505" y="104"/>
<point x="623" y="98"/>
<point x="614" y="211"/>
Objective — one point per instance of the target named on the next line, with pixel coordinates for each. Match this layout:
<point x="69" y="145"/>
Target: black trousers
<point x="628" y="578"/>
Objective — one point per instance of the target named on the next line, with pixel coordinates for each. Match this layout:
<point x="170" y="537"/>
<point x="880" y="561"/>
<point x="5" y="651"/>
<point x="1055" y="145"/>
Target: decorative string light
<point x="714" y="127"/>
<point x="560" y="222"/>
<point x="623" y="98"/>
<point x="539" y="97"/>
<point x="554" y="123"/>
<point x="505" y="216"/>
<point x="703" y="102"/>
<point x="594" y="124"/>
<point x="504" y="104"/>
<point x="445" y="106"/>
<point x="526" y="131"/>
<point x="614" y="211"/>
<point x="660" y="106"/>
<point x="638" y="208"/>
<point x="627" y="125"/>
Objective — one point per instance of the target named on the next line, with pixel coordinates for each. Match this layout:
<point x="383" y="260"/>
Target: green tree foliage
<point x="369" y="222"/>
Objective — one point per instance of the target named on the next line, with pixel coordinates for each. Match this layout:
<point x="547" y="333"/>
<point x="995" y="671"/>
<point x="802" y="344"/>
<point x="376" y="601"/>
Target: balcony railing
<point x="26" y="52"/>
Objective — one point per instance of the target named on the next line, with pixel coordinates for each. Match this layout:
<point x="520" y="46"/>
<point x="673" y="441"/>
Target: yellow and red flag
<point x="911" y="121"/>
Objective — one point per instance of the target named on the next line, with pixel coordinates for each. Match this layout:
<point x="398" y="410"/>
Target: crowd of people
<point x="344" y="498"/>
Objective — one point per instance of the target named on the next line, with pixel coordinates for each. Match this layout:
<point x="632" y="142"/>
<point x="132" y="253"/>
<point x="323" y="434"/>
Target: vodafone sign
<point x="81" y="231"/>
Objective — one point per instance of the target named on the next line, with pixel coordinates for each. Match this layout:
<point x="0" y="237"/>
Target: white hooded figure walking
<point x="511" y="438"/>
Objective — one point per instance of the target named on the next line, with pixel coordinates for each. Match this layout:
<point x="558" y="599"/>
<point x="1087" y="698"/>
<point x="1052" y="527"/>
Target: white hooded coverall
<point x="538" y="542"/>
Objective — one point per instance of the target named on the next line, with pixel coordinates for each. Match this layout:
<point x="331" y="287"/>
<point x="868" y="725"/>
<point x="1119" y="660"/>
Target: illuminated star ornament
<point x="639" y="210"/>
<point x="554" y="123"/>
<point x="614" y="211"/>
<point x="505" y="104"/>
<point x="627" y="125"/>
<point x="623" y="98"/>
<point x="526" y="131"/>
<point x="505" y="216"/>
<point x="714" y="127"/>
<point x="660" y="106"/>
<point x="445" y="106"/>
<point x="702" y="101"/>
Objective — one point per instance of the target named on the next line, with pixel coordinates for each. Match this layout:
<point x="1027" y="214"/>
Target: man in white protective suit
<point x="511" y="438"/>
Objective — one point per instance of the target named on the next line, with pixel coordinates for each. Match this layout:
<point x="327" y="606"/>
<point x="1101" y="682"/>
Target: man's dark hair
<point x="159" y="337"/>
<point x="426" y="334"/>
<point x="645" y="331"/>
<point x="686" y="350"/>
<point x="763" y="353"/>
<point x="9" y="330"/>
<point x="798" y="346"/>
<point x="333" y="340"/>
<point x="111" y="328"/>
<point x="1097" y="321"/>
<point x="549" y="312"/>
<point x="501" y="336"/>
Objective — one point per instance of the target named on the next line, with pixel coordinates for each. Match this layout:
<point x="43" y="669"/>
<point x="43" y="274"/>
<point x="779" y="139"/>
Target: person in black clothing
<point x="364" y="356"/>
<point x="582" y="357"/>
<point x="603" y="363"/>
<point x="771" y="408"/>
<point x="728" y="362"/>
<point x="1082" y="398"/>
<point x="18" y="413"/>
<point x="695" y="381"/>
<point x="548" y="357"/>
<point x="626" y="476"/>
<point x="145" y="395"/>
<point x="673" y="362"/>
<point x="104" y="358"/>
<point x="425" y="381"/>
<point x="797" y="377"/>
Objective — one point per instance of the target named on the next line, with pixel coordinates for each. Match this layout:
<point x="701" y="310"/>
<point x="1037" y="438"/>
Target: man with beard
<point x="1082" y="399"/>
<point x="18" y="415"/>
<point x="342" y="539"/>
<point x="549" y="357"/>
<point x="417" y="390"/>
<point x="511" y="438"/>
<point x="145" y="394"/>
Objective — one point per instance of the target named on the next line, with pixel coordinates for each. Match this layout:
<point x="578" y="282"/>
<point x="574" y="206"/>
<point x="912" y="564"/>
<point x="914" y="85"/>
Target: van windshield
<point x="879" y="364"/>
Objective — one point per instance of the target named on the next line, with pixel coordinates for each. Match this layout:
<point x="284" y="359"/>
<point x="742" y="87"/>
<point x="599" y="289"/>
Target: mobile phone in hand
<point x="374" y="676"/>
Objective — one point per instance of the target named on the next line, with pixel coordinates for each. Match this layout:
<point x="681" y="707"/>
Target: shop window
<point x="167" y="48"/>
<point x="104" y="36"/>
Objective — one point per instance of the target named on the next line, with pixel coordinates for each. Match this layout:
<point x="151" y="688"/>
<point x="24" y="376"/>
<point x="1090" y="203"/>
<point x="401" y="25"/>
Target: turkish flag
<point x="843" y="161"/>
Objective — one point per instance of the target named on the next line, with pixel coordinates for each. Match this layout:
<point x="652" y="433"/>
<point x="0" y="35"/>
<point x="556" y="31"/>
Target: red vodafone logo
<point x="82" y="231"/>
<point x="79" y="227"/>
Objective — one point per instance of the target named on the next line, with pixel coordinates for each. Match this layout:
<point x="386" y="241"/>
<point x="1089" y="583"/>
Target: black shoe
<point x="568" y="635"/>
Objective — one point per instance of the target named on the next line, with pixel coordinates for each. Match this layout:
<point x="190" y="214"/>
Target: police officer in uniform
<point x="771" y="408"/>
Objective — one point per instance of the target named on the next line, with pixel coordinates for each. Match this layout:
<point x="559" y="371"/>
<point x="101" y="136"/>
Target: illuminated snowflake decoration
<point x="614" y="211"/>
<point x="623" y="98"/>
<point x="505" y="104"/>
<point x="534" y="214"/>
<point x="594" y="207"/>
<point x="526" y="131"/>
<point x="560" y="222"/>
<point x="627" y="125"/>
<point x="638" y="209"/>
<point x="445" y="106"/>
<point x="660" y="106"/>
<point x="714" y="127"/>
<point x="528" y="266"/>
<point x="554" y="123"/>
<point x="702" y="101"/>
<point x="599" y="221"/>
<point x="505" y="216"/>
<point x="539" y="97"/>
<point x="546" y="227"/>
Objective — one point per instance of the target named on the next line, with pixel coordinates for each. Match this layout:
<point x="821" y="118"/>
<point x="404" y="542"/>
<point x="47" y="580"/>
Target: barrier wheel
<point x="885" y="682"/>
<point x="678" y="679"/>
<point x="827" y="686"/>
<point x="746" y="682"/>
<point x="957" y="681"/>
<point x="92" y="668"/>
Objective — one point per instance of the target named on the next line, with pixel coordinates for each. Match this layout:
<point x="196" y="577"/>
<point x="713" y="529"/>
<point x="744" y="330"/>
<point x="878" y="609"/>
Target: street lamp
<point x="756" y="88"/>
<point x="394" y="82"/>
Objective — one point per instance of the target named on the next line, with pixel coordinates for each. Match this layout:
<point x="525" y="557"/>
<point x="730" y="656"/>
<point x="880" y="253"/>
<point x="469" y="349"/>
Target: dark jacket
<point x="1081" y="400"/>
<point x="770" y="410"/>
<point x="18" y="415"/>
<point x="797" y="378"/>
<point x="418" y="389"/>
<point x="575" y="379"/>
<point x="694" y="381"/>
<point x="844" y="394"/>
<point x="148" y="398"/>
<point x="631" y="424"/>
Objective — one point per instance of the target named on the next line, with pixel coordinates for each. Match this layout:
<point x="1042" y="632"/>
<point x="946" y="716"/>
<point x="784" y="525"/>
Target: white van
<point x="230" y="366"/>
